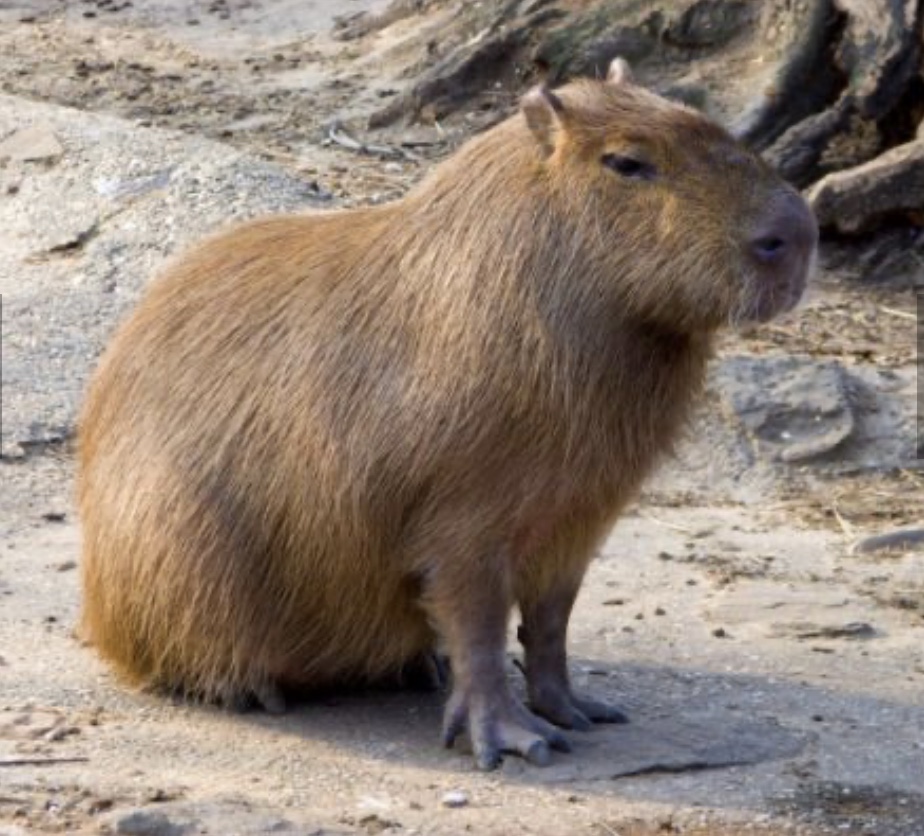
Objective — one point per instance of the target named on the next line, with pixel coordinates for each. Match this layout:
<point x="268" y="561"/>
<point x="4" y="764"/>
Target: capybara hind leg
<point x="266" y="696"/>
<point x="270" y="698"/>
<point x="471" y="608"/>
<point x="427" y="672"/>
<point x="543" y="635"/>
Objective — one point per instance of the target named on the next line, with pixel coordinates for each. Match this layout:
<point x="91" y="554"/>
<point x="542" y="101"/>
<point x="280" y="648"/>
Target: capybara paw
<point x="496" y="726"/>
<point x="569" y="711"/>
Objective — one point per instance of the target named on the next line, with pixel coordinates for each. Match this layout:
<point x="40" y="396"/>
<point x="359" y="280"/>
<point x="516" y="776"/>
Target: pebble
<point x="455" y="798"/>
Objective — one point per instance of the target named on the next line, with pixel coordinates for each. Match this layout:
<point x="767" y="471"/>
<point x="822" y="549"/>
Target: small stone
<point x="31" y="144"/>
<point x="66" y="565"/>
<point x="720" y="633"/>
<point x="455" y="798"/>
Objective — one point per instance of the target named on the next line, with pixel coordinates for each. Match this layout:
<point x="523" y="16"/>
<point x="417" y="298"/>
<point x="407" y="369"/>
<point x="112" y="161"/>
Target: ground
<point x="772" y="664"/>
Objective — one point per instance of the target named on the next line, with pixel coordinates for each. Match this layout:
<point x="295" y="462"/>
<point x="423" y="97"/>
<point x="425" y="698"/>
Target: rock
<point x="809" y="630"/>
<point x="66" y="237"/>
<point x="235" y="816"/>
<point x="120" y="201"/>
<point x="454" y="798"/>
<point x="35" y="143"/>
<point x="858" y="198"/>
<point x="903" y="539"/>
<point x="146" y="823"/>
<point x="373" y="824"/>
<point x="117" y="189"/>
<point x="794" y="409"/>
<point x="690" y="740"/>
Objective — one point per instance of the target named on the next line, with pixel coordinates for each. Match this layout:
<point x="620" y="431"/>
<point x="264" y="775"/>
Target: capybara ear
<point x="545" y="115"/>
<point x="620" y="72"/>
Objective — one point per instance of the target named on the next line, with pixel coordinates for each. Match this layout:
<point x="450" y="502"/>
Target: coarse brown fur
<point x="322" y="441"/>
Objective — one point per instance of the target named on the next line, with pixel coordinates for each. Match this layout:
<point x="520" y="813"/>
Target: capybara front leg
<point x="543" y="635"/>
<point x="470" y="608"/>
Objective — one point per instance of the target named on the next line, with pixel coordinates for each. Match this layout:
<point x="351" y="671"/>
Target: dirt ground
<point x="773" y="671"/>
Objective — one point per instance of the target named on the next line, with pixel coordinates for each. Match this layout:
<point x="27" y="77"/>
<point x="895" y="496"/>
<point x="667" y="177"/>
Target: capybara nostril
<point x="770" y="248"/>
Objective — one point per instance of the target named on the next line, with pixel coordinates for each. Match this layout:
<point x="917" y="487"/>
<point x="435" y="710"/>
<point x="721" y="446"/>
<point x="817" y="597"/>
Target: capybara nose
<point x="787" y="235"/>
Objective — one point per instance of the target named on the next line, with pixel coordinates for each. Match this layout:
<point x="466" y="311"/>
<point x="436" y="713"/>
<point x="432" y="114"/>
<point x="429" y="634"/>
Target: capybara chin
<point x="324" y="445"/>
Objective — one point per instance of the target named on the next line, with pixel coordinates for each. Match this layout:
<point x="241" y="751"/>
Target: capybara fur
<point x="326" y="445"/>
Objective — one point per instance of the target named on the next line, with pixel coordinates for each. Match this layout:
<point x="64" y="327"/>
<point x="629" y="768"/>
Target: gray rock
<point x="804" y="630"/>
<point x="794" y="409"/>
<point x="147" y="823"/>
<point x="904" y="539"/>
<point x="689" y="742"/>
<point x="856" y="199"/>
<point x="225" y="816"/>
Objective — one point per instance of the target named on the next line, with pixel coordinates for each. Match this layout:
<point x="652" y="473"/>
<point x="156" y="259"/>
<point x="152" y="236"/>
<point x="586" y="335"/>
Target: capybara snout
<point x="325" y="447"/>
<point x="782" y="245"/>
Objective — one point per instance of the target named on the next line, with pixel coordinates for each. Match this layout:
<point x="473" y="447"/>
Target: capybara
<point x="325" y="446"/>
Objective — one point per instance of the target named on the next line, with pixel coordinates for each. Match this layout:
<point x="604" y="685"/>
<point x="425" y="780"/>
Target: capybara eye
<point x="629" y="166"/>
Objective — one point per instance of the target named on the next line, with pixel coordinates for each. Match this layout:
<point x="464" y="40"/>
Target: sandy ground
<point x="774" y="677"/>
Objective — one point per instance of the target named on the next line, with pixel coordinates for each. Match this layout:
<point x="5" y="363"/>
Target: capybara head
<point x="699" y="231"/>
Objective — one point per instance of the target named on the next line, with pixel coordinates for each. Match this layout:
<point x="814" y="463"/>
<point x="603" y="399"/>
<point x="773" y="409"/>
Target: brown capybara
<point x="325" y="445"/>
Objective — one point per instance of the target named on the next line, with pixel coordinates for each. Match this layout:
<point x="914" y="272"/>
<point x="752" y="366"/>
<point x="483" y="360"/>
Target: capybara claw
<point x="538" y="754"/>
<point x="598" y="711"/>
<point x="488" y="760"/>
<point x="568" y="711"/>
